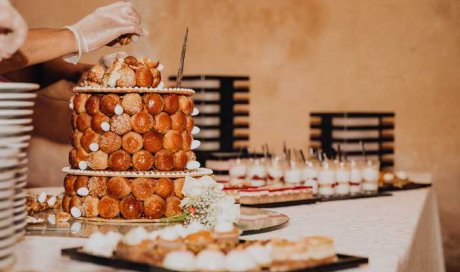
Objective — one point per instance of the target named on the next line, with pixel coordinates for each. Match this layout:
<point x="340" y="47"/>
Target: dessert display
<point x="195" y="248"/>
<point x="41" y="202"/>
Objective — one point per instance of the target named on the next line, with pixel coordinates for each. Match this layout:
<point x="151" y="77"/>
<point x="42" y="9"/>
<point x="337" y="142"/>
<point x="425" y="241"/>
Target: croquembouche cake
<point x="132" y="143"/>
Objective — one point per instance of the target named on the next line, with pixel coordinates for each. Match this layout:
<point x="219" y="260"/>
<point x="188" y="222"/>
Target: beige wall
<point x="302" y="56"/>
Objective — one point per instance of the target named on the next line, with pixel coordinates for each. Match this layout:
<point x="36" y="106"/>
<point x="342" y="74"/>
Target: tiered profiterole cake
<point x="132" y="143"/>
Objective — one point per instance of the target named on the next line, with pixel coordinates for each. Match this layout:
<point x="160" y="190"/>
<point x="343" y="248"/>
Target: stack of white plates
<point x="16" y="108"/>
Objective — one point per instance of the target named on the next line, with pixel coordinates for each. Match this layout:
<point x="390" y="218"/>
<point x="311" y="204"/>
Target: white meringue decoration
<point x="82" y="191"/>
<point x="160" y="67"/>
<point x="105" y="126"/>
<point x="82" y="165"/>
<point x="239" y="260"/>
<point x="180" y="260"/>
<point x="42" y="197"/>
<point x="192" y="165"/>
<point x="75" y="212"/>
<point x="195" y="112"/>
<point x="118" y="110"/>
<point x="51" y="201"/>
<point x="210" y="260"/>
<point x="261" y="254"/>
<point x="102" y="245"/>
<point x="195" y="130"/>
<point x="195" y="144"/>
<point x="135" y="236"/>
<point x="94" y="147"/>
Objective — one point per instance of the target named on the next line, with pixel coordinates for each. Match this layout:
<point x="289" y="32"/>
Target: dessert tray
<point x="139" y="174"/>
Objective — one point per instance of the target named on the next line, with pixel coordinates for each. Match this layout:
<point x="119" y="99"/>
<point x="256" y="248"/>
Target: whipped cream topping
<point x="83" y="191"/>
<point x="239" y="260"/>
<point x="180" y="260"/>
<point x="105" y="126"/>
<point x="135" y="236"/>
<point x="210" y="260"/>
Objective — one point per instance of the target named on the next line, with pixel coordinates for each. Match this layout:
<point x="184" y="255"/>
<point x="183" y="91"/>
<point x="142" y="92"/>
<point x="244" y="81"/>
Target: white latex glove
<point x="103" y="26"/>
<point x="13" y="30"/>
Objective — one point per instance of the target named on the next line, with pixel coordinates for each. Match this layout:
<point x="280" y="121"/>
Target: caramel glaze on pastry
<point x="73" y="120"/>
<point x="178" y="121"/>
<point x="142" y="188"/>
<point x="75" y="137"/>
<point x="154" y="207"/>
<point x="127" y="77"/>
<point x="89" y="137"/>
<point x="162" y="122"/>
<point x="118" y="187"/>
<point x="172" y="141"/>
<point x="69" y="185"/>
<point x="180" y="160"/>
<point x="92" y="104"/>
<point x="75" y="202"/>
<point x="143" y="160"/>
<point x="80" y="182"/>
<point x="153" y="103"/>
<point x="144" y="77"/>
<point x="131" y="208"/>
<point x="186" y="141"/>
<point x="171" y="103"/>
<point x="120" y="124"/>
<point x="108" y="104"/>
<point x="119" y="160"/>
<point x="178" y="185"/>
<point x="132" y="142"/>
<point x="132" y="103"/>
<point x="153" y="141"/>
<point x="186" y="104"/>
<point x="79" y="102"/>
<point x="172" y="206"/>
<point x="108" y="207"/>
<point x="142" y="122"/>
<point x="89" y="206"/>
<point x="97" y="121"/>
<point x="164" y="160"/>
<point x="164" y="187"/>
<point x="66" y="203"/>
<point x="83" y="121"/>
<point x="156" y="77"/>
<point x="97" y="160"/>
<point x="109" y="142"/>
<point x="97" y="186"/>
<point x="76" y="155"/>
<point x="189" y="124"/>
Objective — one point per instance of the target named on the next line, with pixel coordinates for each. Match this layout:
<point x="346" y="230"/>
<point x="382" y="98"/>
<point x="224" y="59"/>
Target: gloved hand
<point x="108" y="60"/>
<point x="103" y="26"/>
<point x="13" y="30"/>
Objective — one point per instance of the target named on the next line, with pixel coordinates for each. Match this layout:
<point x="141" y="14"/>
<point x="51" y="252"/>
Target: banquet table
<point x="397" y="233"/>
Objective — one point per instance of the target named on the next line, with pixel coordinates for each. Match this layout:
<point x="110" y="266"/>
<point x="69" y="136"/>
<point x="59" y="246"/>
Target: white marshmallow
<point x="94" y="147"/>
<point x="75" y="212"/>
<point x="105" y="126"/>
<point x="82" y="165"/>
<point x="82" y="191"/>
<point x="119" y="109"/>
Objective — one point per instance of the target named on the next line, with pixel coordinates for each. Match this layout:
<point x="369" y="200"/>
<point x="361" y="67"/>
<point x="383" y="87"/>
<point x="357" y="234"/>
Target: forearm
<point x="41" y="45"/>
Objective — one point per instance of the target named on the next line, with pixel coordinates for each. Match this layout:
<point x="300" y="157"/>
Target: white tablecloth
<point x="397" y="233"/>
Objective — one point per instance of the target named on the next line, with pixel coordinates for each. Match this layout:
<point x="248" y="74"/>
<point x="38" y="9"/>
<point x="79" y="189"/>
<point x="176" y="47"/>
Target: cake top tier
<point x="128" y="75"/>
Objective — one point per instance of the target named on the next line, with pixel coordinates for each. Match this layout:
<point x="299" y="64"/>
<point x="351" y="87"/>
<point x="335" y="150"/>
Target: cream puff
<point x="153" y="103"/>
<point x="162" y="122"/>
<point x="153" y="141"/>
<point x="119" y="160"/>
<point x="69" y="185"/>
<point x="178" y="185"/>
<point x="109" y="142"/>
<point x="108" y="104"/>
<point x="131" y="208"/>
<point x="142" y="188"/>
<point x="89" y="139"/>
<point x="156" y="77"/>
<point x="80" y="182"/>
<point x="66" y="203"/>
<point x="89" y="206"/>
<point x="180" y="160"/>
<point x="95" y="74"/>
<point x="189" y="123"/>
<point x="154" y="207"/>
<point x="97" y="160"/>
<point x="97" y="186"/>
<point x="92" y="104"/>
<point x="142" y="122"/>
<point x="143" y="160"/>
<point x="100" y="123"/>
<point x="120" y="124"/>
<point x="186" y="141"/>
<point x="118" y="187"/>
<point x="186" y="104"/>
<point x="127" y="77"/>
<point x="171" y="103"/>
<point x="75" y="202"/>
<point x="178" y="121"/>
<point x="164" y="160"/>
<point x="83" y="121"/>
<point x="172" y="206"/>
<point x="73" y="120"/>
<point x="132" y="103"/>
<point x="131" y="61"/>
<point x="132" y="142"/>
<point x="76" y="156"/>
<point x="79" y="102"/>
<point x="75" y="137"/>
<point x="172" y="141"/>
<point x="144" y="77"/>
<point x="108" y="207"/>
<point x="164" y="187"/>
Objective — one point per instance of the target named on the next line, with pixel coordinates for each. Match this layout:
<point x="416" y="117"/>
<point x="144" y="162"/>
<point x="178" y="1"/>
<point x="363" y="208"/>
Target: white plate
<point x="7" y="242"/>
<point x="6" y="221"/>
<point x="9" y="152"/>
<point x="23" y="121"/>
<point x="18" y="86"/>
<point x="9" y="174"/>
<point x="19" y="202"/>
<point x="6" y="163"/>
<point x="20" y="226"/>
<point x="6" y="204"/>
<point x="6" y="96"/>
<point x="15" y="129"/>
<point x="19" y="217"/>
<point x="6" y="193"/>
<point x="4" y="214"/>
<point x="7" y="263"/>
<point x="14" y="139"/>
<point x="20" y="193"/>
<point x="19" y="209"/>
<point x="8" y="231"/>
<point x="5" y="184"/>
<point x="7" y="251"/>
<point x="9" y="113"/>
<point x="20" y="185"/>
<point x="16" y="104"/>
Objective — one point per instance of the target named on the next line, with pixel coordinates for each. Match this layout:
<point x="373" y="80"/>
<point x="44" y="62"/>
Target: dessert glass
<point x="370" y="175"/>
<point x="355" y="177"/>
<point x="274" y="168"/>
<point x="237" y="172"/>
<point x="310" y="175"/>
<point x="256" y="174"/>
<point x="326" y="180"/>
<point x="293" y="173"/>
<point x="342" y="178"/>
